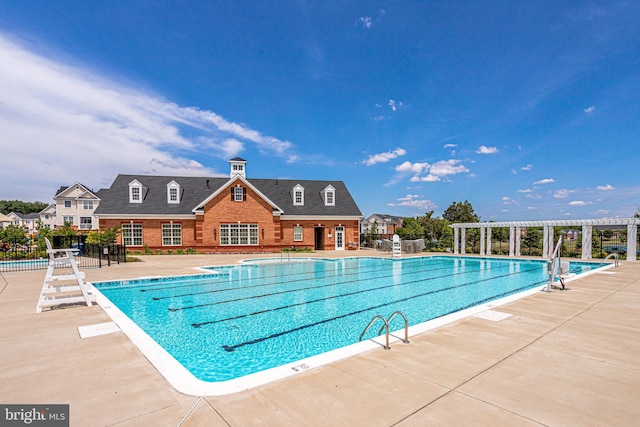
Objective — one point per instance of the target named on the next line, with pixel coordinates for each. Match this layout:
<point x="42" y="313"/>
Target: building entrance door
<point x="318" y="238"/>
<point x="339" y="238"/>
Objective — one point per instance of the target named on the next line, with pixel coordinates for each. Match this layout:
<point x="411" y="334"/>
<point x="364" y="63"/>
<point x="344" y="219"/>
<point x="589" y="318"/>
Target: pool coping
<point x="182" y="380"/>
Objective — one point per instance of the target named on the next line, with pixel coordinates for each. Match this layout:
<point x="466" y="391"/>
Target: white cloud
<point x="563" y="194"/>
<point x="450" y="146"/>
<point x="605" y="187"/>
<point x="365" y="21"/>
<point x="434" y="172"/>
<point x="526" y="168"/>
<point x="544" y="181"/>
<point x="528" y="190"/>
<point x="483" y="149"/>
<point x="590" y="110"/>
<point x="91" y="127"/>
<point x="384" y="157"/>
<point x="413" y="201"/>
<point x="579" y="203"/>
<point x="395" y="105"/>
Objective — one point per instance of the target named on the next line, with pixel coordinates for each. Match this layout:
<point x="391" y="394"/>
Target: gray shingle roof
<point x="194" y="190"/>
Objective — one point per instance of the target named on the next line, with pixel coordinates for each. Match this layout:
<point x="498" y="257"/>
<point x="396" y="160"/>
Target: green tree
<point x="532" y="238"/>
<point x="460" y="212"/>
<point x="13" y="233"/>
<point x="637" y="214"/>
<point x="42" y="232"/>
<point x="411" y="229"/>
<point x="104" y="236"/>
<point x="463" y="212"/>
<point x="7" y="206"/>
<point x="65" y="230"/>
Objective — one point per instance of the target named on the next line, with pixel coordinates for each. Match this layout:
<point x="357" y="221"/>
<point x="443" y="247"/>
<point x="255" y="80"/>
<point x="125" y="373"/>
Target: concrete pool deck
<point x="562" y="358"/>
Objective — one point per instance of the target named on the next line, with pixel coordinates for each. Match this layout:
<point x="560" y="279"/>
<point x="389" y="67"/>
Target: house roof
<point x="86" y="192"/>
<point x="391" y="218"/>
<point x="195" y="190"/>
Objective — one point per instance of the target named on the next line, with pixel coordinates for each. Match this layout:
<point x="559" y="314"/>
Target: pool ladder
<point x="614" y="256"/>
<point x="386" y="327"/>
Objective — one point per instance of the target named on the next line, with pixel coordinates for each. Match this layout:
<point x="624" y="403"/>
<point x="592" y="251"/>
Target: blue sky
<point x="528" y="110"/>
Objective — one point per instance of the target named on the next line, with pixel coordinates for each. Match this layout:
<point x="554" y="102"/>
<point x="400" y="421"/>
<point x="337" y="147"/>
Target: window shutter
<point x="244" y="194"/>
<point x="232" y="194"/>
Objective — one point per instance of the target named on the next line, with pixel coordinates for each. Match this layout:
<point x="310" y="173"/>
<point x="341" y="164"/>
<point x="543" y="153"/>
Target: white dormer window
<point x="298" y="195"/>
<point x="173" y="192"/>
<point x="329" y="196"/>
<point x="135" y="191"/>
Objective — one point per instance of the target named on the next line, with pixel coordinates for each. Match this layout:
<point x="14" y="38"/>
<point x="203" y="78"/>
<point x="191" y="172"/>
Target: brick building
<point x="235" y="214"/>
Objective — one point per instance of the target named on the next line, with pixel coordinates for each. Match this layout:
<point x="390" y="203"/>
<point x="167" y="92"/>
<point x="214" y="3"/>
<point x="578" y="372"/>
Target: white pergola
<point x="515" y="228"/>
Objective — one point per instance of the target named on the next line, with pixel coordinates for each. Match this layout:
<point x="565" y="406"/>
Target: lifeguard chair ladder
<point x="66" y="288"/>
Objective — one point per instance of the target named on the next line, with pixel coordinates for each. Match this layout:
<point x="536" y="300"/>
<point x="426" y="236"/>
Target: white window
<point x="297" y="233"/>
<point x="87" y="204"/>
<point x="67" y="203"/>
<point x="238" y="234"/>
<point x="135" y="192"/>
<point x="237" y="194"/>
<point x="173" y="192"/>
<point x="171" y="234"/>
<point x="298" y="195"/>
<point x="132" y="234"/>
<point x="67" y="220"/>
<point x="329" y="196"/>
<point x="85" y="223"/>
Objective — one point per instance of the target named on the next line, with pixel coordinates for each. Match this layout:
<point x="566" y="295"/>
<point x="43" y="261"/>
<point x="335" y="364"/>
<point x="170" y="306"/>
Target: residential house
<point x="230" y="214"/>
<point x="27" y="221"/>
<point x="48" y="217"/>
<point x="386" y="225"/>
<point x="4" y="220"/>
<point x="75" y="205"/>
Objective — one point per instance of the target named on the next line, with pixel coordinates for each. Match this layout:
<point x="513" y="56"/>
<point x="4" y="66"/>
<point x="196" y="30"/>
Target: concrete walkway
<point x="566" y="358"/>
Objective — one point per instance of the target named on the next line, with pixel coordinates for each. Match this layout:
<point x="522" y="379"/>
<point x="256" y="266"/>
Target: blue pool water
<point x="241" y="319"/>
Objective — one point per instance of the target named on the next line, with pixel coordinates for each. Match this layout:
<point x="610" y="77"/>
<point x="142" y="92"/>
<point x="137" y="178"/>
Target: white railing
<point x="554" y="265"/>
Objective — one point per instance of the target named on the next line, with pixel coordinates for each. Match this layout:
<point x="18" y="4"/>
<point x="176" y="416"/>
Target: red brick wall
<point x="273" y="234"/>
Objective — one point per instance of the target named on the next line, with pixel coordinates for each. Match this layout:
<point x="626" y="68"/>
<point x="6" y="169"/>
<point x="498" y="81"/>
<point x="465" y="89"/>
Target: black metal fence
<point x="32" y="255"/>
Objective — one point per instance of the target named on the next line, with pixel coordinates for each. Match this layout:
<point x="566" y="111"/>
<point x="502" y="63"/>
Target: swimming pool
<point x="236" y="321"/>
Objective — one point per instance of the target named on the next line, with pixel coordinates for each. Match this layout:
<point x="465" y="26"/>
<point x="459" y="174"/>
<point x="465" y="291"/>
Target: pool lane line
<point x="157" y="287"/>
<point x="240" y="316"/>
<point x="323" y="286"/>
<point x="230" y="348"/>
<point x="373" y="270"/>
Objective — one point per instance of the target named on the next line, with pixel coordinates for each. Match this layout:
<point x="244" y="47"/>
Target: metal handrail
<point x="386" y="325"/>
<point x="614" y="255"/>
<point x="406" y="325"/>
<point x="555" y="264"/>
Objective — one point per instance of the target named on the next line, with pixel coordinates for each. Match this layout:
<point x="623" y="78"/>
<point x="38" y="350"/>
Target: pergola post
<point x="482" y="230"/>
<point x="546" y="253"/>
<point x="587" y="234"/>
<point x="632" y="238"/>
<point x="488" y="252"/>
<point x="463" y="238"/>
<point x="518" y="237"/>
<point x="456" y="244"/>
<point x="512" y="241"/>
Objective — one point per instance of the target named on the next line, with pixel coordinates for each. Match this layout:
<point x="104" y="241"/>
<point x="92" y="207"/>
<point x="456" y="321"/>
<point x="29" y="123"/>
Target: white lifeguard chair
<point x="65" y="288"/>
<point x="396" y="249"/>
